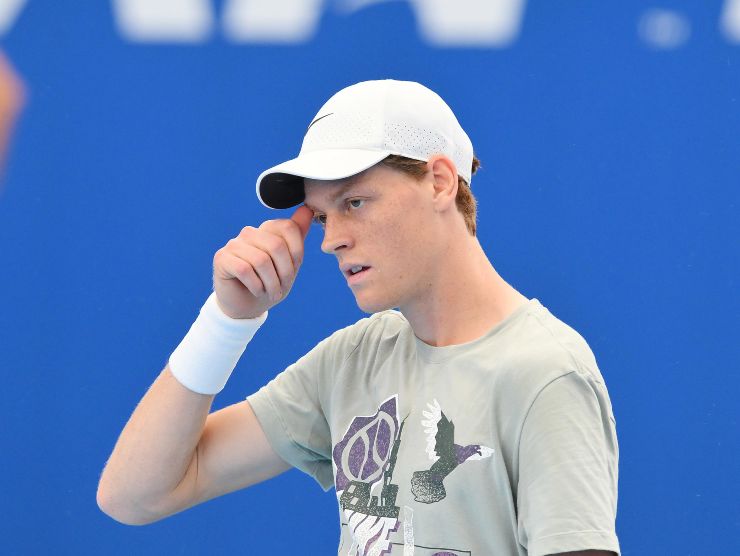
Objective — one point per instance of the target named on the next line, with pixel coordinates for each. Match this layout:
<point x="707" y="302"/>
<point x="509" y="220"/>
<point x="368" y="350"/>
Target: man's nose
<point x="336" y="236"/>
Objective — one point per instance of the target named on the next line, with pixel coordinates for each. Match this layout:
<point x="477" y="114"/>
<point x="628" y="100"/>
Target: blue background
<point x="609" y="191"/>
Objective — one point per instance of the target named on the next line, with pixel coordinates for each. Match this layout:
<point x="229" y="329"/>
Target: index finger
<point x="291" y="233"/>
<point x="303" y="217"/>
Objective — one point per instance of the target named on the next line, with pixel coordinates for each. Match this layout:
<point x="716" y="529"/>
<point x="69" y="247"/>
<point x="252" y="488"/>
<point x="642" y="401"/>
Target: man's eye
<point x="356" y="203"/>
<point x="319" y="219"/>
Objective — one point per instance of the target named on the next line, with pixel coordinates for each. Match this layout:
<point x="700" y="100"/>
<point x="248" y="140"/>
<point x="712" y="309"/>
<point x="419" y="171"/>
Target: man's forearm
<point x="149" y="474"/>
<point x="163" y="462"/>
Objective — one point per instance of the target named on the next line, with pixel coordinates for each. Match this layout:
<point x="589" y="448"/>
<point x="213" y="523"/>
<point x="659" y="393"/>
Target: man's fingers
<point x="303" y="216"/>
<point x="253" y="267"/>
<point x="231" y="266"/>
<point x="291" y="234"/>
<point x="264" y="260"/>
<point x="275" y="247"/>
<point x="264" y="266"/>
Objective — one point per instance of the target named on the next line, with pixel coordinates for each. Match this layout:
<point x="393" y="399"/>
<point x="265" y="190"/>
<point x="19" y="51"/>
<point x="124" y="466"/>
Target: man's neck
<point x="465" y="300"/>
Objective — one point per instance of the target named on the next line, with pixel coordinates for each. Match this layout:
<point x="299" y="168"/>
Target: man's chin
<point x="371" y="306"/>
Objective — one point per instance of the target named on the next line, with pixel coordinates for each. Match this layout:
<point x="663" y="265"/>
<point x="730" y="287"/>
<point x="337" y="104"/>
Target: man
<point x="470" y="421"/>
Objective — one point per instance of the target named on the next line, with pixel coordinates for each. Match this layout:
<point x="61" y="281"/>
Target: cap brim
<point x="282" y="186"/>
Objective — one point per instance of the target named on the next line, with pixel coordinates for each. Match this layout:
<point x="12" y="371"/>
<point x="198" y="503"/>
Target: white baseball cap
<point x="360" y="126"/>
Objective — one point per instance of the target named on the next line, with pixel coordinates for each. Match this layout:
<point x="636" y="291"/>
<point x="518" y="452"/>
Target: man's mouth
<point x="352" y="271"/>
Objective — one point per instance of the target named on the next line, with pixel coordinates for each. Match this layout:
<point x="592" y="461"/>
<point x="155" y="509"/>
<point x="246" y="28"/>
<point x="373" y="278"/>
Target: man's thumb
<point x="303" y="216"/>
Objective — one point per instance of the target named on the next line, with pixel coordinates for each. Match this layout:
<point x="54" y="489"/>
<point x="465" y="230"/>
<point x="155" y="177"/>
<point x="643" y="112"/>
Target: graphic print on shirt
<point x="364" y="460"/>
<point x="428" y="486"/>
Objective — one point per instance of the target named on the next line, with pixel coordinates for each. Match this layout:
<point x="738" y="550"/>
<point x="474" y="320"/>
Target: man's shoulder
<point x="566" y="340"/>
<point x="546" y="346"/>
<point x="540" y="350"/>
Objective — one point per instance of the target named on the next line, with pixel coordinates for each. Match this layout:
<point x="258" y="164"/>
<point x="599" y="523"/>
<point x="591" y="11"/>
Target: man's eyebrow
<point x="334" y="196"/>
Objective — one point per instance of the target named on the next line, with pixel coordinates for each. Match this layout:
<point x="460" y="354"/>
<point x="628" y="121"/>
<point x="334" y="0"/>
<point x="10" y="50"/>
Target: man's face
<point x="379" y="222"/>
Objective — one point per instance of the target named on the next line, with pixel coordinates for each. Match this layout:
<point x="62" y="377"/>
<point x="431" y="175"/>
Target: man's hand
<point x="256" y="270"/>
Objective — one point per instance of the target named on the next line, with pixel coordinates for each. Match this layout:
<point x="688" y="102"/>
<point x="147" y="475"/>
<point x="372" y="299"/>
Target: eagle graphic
<point x="427" y="486"/>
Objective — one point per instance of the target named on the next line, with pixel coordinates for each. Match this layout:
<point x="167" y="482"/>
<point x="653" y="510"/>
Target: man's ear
<point x="444" y="175"/>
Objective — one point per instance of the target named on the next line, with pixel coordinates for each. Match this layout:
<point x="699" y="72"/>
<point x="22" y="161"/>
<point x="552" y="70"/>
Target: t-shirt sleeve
<point x="568" y="467"/>
<point x="292" y="411"/>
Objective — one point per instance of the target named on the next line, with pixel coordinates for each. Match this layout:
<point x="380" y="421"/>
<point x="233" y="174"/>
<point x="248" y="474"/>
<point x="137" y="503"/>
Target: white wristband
<point x="210" y="350"/>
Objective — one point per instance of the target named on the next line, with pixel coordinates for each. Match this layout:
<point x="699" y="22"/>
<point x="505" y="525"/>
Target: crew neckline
<point x="435" y="354"/>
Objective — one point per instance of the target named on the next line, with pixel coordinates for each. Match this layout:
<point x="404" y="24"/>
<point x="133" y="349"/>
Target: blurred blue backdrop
<point x="610" y="139"/>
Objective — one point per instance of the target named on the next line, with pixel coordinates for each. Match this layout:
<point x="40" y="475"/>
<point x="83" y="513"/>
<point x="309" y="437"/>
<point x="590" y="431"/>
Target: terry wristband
<point x="210" y="350"/>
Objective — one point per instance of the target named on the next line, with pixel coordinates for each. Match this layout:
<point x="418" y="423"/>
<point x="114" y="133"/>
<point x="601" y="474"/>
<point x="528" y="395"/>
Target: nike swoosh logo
<point x="317" y="119"/>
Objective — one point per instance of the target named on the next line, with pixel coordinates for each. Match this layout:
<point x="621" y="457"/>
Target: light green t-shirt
<point x="505" y="445"/>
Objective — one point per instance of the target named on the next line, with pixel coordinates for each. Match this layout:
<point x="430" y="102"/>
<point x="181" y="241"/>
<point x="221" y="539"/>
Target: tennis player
<point x="459" y="418"/>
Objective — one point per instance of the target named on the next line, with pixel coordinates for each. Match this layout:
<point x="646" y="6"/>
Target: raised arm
<point x="172" y="454"/>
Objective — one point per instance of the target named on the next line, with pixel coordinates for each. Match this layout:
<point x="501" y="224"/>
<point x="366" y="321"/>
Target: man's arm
<point x="568" y="465"/>
<point x="172" y="454"/>
<point x="154" y="471"/>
